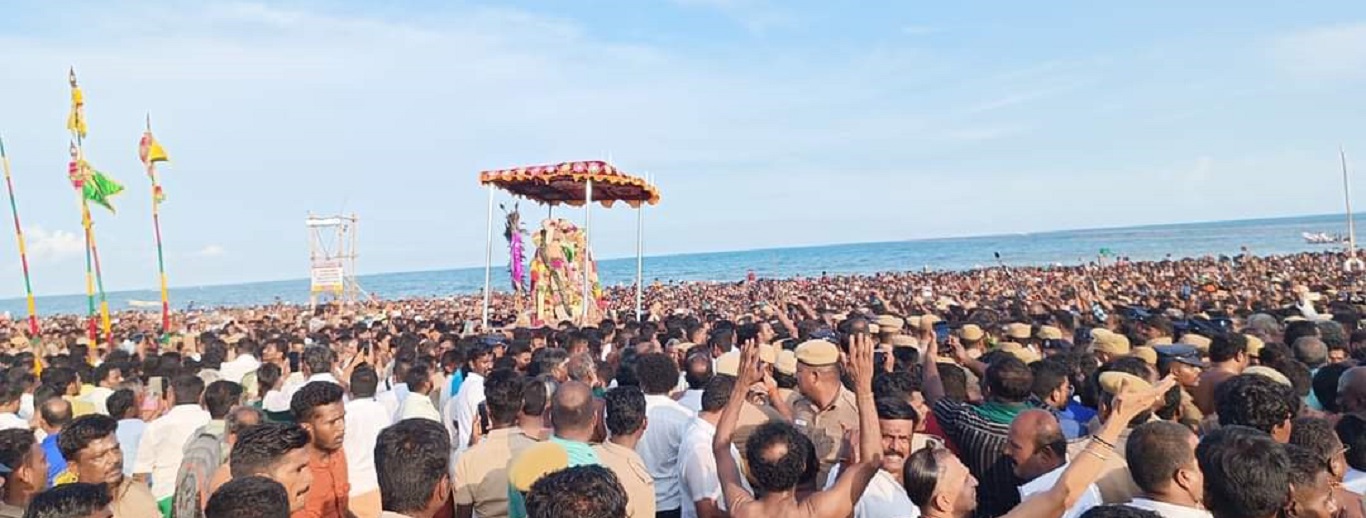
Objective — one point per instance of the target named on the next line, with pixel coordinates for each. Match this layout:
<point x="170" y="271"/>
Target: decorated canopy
<point x="566" y="183"/>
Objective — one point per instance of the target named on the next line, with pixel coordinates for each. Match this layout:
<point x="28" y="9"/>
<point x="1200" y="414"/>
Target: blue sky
<point x="766" y="123"/>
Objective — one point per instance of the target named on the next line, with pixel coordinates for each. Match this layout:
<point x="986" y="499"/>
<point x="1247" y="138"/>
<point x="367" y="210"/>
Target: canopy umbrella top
<point x="566" y="183"/>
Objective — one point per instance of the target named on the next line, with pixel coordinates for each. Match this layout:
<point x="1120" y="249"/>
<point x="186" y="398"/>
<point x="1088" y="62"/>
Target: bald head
<point x="572" y="408"/>
<point x="56" y="412"/>
<point x="1352" y="390"/>
<point x="1311" y="351"/>
<point x="698" y="371"/>
<point x="1035" y="444"/>
<point x="1035" y="423"/>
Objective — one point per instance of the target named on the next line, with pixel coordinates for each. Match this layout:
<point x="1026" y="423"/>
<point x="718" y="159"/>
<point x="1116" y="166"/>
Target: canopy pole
<point x="488" y="262"/>
<point x="587" y="225"/>
<point x="1347" y="195"/>
<point x="640" y="260"/>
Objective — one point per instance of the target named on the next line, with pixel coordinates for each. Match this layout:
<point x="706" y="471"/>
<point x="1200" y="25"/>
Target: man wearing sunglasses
<point x="1318" y="436"/>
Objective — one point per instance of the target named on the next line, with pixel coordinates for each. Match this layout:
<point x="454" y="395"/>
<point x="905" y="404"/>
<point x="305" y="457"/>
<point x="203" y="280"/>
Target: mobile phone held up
<point x="155" y="389"/>
<point x="941" y="332"/>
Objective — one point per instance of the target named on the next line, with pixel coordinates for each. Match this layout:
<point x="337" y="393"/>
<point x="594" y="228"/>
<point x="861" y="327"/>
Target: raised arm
<point x="1084" y="468"/>
<point x="961" y="356"/>
<point x="932" y="385"/>
<point x="862" y="370"/>
<point x="781" y="314"/>
<point x="732" y="489"/>
<point x="890" y="305"/>
<point x="775" y="398"/>
<point x="807" y="311"/>
<point x="840" y="499"/>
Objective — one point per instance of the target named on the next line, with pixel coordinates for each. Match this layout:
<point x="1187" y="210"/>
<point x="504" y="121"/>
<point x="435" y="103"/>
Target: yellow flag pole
<point x="76" y="170"/>
<point x="23" y="253"/>
<point x="80" y="173"/>
<point x="147" y="151"/>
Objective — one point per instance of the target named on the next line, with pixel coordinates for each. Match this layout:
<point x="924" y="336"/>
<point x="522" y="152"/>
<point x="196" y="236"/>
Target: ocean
<point x="1261" y="236"/>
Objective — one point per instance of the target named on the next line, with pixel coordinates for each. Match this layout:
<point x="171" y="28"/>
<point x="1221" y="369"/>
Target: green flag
<point x="100" y="188"/>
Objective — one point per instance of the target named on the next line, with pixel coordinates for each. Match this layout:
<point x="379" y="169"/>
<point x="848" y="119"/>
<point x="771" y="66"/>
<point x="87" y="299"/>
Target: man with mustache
<point x="91" y="449"/>
<point x="1037" y="449"/>
<point x="885" y="496"/>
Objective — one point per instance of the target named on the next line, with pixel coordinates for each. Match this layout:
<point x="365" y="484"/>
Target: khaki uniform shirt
<point x="481" y="476"/>
<point x="134" y="500"/>
<point x="751" y="417"/>
<point x="825" y="426"/>
<point x="1190" y="414"/>
<point x="10" y="511"/>
<point x="635" y="478"/>
<point x="1115" y="484"/>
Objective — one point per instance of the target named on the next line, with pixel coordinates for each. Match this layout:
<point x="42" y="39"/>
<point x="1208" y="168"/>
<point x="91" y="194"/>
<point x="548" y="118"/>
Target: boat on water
<point x="1323" y="238"/>
<point x="1349" y="239"/>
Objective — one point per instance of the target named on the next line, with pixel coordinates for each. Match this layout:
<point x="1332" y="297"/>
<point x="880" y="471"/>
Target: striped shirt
<point x="981" y="444"/>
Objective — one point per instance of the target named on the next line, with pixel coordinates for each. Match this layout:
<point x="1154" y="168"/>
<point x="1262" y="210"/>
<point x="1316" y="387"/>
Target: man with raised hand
<point x="778" y="454"/>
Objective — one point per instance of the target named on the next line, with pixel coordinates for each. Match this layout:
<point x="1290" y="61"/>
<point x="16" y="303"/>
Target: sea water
<point x="1260" y="236"/>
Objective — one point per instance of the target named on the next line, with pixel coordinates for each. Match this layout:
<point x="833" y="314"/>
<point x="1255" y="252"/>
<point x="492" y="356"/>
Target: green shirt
<point x="579" y="453"/>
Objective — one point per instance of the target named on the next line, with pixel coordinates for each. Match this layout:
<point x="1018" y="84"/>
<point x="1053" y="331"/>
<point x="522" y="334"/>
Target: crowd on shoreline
<point x="1217" y="386"/>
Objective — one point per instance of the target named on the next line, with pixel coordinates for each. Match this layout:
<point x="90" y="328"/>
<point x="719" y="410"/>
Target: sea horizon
<point x="1264" y="235"/>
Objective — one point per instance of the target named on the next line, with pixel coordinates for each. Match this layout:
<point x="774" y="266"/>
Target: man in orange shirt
<point x="318" y="407"/>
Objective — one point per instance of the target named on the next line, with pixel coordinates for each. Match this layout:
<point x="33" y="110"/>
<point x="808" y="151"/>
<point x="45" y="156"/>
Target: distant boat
<point x="1323" y="238"/>
<point x="143" y="304"/>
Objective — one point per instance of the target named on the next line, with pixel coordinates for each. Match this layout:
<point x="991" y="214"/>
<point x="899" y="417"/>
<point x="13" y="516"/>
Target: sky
<point x="765" y="123"/>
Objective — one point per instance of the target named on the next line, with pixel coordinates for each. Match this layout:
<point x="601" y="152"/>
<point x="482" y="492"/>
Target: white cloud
<point x="396" y="112"/>
<point x="1204" y="166"/>
<point x="1333" y="53"/>
<point x="920" y="30"/>
<point x="1188" y="179"/>
<point x="755" y="15"/>
<point x="984" y="132"/>
<point x="714" y="4"/>
<point x="1016" y="98"/>
<point x="53" y="246"/>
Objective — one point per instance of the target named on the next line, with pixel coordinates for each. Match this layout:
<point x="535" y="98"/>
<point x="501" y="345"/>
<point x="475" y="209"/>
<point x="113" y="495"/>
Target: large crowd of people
<point x="1224" y="387"/>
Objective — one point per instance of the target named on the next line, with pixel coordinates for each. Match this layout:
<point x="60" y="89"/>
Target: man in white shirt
<point x="696" y="463"/>
<point x="123" y="406"/>
<point x="1162" y="463"/>
<point x="462" y="413"/>
<point x="107" y="376"/>
<point x="1037" y="450"/>
<point x="1355" y="481"/>
<point x="453" y="361"/>
<point x="10" y="395"/>
<point x="663" y="438"/>
<point x="1089" y="498"/>
<point x="396" y="391"/>
<point x="1351" y="430"/>
<point x="162" y="446"/>
<point x="419" y="401"/>
<point x="244" y="363"/>
<point x="317" y="363"/>
<point x="697" y="373"/>
<point x="885" y="497"/>
<point x="365" y="417"/>
<point x="26" y="402"/>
